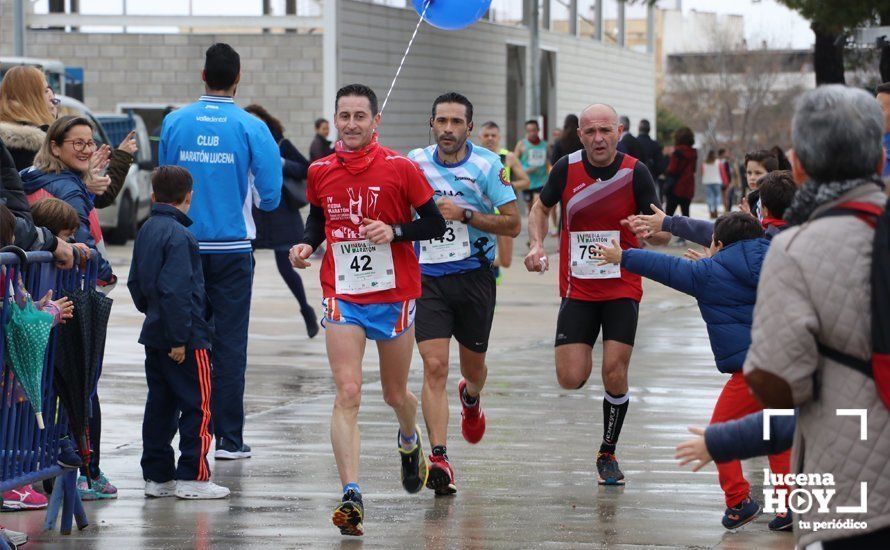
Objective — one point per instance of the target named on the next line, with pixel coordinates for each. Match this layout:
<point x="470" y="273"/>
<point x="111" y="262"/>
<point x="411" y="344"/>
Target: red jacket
<point x="682" y="167"/>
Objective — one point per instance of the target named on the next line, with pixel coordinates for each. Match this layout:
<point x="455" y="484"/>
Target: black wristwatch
<point x="468" y="215"/>
<point x="397" y="231"/>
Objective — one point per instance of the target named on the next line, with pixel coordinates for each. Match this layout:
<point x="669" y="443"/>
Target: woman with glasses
<point x="28" y="106"/>
<point x="59" y="170"/>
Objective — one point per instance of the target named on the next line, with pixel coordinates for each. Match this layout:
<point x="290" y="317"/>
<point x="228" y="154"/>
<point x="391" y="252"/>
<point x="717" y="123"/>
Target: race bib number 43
<point x="361" y="267"/>
<point x="584" y="250"/>
<point x="453" y="245"/>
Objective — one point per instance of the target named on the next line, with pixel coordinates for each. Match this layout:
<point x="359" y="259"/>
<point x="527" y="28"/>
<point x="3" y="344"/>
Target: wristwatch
<point x="397" y="231"/>
<point x="468" y="215"/>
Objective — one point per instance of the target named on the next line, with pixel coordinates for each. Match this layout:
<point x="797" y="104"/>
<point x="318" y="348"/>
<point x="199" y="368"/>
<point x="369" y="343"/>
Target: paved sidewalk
<point x="530" y="483"/>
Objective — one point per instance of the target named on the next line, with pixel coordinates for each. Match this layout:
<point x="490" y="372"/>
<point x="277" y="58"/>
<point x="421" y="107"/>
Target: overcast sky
<point x="764" y="20"/>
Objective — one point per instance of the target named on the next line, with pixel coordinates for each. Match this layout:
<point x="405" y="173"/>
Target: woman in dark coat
<point x="681" y="170"/>
<point x="282" y="228"/>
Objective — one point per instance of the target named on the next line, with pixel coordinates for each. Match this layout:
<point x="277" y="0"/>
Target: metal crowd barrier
<point x="28" y="454"/>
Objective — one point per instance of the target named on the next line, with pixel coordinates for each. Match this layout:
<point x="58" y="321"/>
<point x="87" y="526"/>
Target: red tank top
<point x="589" y="205"/>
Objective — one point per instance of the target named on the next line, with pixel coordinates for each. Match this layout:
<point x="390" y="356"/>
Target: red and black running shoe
<point x="472" y="419"/>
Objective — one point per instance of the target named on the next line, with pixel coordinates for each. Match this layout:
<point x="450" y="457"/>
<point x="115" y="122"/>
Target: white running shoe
<point x="230" y="452"/>
<point x="200" y="490"/>
<point x="15" y="538"/>
<point x="160" y="490"/>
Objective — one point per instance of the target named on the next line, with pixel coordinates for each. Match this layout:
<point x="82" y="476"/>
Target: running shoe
<point x="608" y="472"/>
<point x="200" y="490"/>
<point x="103" y="488"/>
<point x="348" y="516"/>
<point x="739" y="515"/>
<point x="782" y="522"/>
<point x="160" y="490"/>
<point x="23" y="498"/>
<point x="414" y="466"/>
<point x="441" y="477"/>
<point x="472" y="419"/>
<point x="226" y="450"/>
<point x="85" y="489"/>
<point x="15" y="538"/>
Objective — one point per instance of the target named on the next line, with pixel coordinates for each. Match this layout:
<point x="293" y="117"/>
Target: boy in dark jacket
<point x="167" y="284"/>
<point x="725" y="286"/>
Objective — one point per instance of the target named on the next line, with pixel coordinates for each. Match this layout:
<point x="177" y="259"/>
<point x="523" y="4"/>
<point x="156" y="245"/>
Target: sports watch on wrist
<point x="397" y="231"/>
<point x="468" y="215"/>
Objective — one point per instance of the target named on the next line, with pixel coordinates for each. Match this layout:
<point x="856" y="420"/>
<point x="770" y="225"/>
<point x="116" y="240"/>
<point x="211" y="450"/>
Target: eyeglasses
<point x="80" y="145"/>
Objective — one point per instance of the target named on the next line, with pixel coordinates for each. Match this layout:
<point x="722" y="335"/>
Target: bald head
<point x="599" y="132"/>
<point x="599" y="111"/>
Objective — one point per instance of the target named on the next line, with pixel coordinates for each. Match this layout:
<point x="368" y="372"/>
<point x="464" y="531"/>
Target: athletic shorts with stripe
<point x="579" y="322"/>
<point x="380" y="321"/>
<point x="459" y="305"/>
<point x="178" y="399"/>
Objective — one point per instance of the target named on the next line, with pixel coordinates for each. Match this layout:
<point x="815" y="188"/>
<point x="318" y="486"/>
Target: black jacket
<point x="629" y="145"/>
<point x="652" y="156"/>
<point x="319" y="148"/>
<point x="27" y="235"/>
<point x="167" y="282"/>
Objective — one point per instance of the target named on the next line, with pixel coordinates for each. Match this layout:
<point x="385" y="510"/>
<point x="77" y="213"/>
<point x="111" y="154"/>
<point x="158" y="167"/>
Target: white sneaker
<point x="15" y="538"/>
<point x="200" y="490"/>
<point x="160" y="490"/>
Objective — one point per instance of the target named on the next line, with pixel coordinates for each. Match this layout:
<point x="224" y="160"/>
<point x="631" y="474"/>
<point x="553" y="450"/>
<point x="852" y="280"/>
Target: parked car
<point x="133" y="205"/>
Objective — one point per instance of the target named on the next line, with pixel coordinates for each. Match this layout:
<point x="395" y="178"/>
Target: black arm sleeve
<point x="428" y="226"/>
<point x="551" y="193"/>
<point x="313" y="234"/>
<point x="644" y="189"/>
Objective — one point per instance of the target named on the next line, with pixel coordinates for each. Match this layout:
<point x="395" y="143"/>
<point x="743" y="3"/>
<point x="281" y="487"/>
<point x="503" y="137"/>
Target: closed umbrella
<point x="27" y="334"/>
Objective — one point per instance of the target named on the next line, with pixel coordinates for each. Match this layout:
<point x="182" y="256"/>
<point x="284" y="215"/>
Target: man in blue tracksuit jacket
<point x="235" y="163"/>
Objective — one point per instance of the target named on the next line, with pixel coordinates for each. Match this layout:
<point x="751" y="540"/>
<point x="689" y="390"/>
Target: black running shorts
<point x="459" y="305"/>
<point x="579" y="322"/>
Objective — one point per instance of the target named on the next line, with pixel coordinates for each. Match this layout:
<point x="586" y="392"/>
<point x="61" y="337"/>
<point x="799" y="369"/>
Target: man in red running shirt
<point x="361" y="200"/>
<point x="597" y="189"/>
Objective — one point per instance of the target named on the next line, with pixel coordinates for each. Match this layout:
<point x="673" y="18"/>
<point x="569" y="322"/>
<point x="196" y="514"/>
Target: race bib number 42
<point x="361" y="267"/>
<point x="584" y="250"/>
<point x="453" y="245"/>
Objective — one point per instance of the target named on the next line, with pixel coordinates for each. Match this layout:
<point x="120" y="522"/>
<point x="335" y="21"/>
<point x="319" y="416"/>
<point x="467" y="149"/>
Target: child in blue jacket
<point x="725" y="286"/>
<point x="167" y="284"/>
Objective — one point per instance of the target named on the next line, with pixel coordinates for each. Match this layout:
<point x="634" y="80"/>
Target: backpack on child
<point x="878" y="367"/>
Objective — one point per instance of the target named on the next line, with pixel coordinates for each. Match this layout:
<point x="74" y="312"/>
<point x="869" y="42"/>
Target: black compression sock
<point x="614" y="410"/>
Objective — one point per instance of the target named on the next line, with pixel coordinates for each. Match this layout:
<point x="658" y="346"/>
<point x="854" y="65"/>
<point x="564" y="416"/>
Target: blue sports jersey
<point x="477" y="183"/>
<point x="233" y="160"/>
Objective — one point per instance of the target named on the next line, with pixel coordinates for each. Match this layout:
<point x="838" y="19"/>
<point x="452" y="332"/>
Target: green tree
<point x="831" y="21"/>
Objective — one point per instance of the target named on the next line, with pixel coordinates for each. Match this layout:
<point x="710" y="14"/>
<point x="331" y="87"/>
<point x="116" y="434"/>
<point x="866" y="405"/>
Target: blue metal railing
<point x="27" y="453"/>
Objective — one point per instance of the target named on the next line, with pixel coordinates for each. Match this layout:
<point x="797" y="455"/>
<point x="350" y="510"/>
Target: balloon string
<point x="405" y="55"/>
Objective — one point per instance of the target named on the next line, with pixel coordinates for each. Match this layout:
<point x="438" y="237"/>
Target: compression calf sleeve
<point x="614" y="410"/>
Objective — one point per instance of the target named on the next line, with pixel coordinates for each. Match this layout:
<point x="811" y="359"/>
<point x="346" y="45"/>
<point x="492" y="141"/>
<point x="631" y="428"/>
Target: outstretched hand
<point x="694" y="449"/>
<point x="646" y="225"/>
<point x="609" y="254"/>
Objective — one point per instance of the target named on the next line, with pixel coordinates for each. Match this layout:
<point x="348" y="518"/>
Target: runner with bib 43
<point x="458" y="298"/>
<point x="598" y="189"/>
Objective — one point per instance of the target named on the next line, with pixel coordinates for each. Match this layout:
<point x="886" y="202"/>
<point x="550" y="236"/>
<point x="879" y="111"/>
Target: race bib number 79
<point x="361" y="267"/>
<point x="584" y="250"/>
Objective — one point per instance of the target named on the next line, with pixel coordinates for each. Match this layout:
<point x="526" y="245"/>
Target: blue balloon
<point x="452" y="15"/>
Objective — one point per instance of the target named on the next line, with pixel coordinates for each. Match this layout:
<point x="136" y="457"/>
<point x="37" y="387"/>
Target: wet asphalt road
<point x="530" y="483"/>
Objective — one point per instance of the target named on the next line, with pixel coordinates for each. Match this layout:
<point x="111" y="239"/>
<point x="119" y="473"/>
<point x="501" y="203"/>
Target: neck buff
<point x="358" y="161"/>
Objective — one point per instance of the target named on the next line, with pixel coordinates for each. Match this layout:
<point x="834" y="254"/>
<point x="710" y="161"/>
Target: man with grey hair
<point x="628" y="144"/>
<point x="813" y="309"/>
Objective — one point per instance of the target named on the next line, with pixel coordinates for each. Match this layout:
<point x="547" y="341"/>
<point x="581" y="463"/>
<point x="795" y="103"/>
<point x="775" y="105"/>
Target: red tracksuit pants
<point x="736" y="401"/>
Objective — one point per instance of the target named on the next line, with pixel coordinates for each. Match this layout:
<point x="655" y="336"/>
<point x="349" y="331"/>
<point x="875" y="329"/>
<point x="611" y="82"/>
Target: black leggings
<point x="291" y="277"/>
<point x="673" y="201"/>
